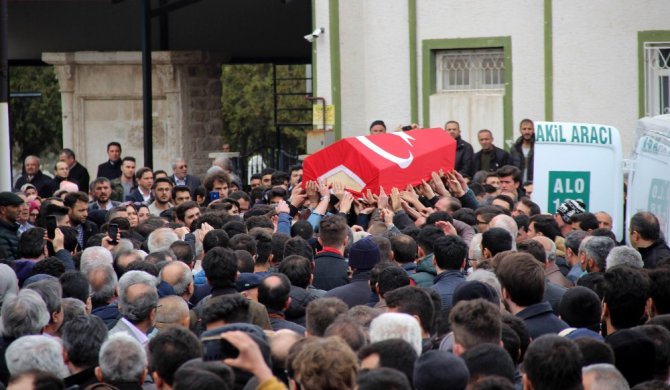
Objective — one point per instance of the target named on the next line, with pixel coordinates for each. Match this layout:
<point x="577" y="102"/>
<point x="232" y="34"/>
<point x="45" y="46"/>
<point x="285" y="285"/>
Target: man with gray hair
<point x="180" y="176"/>
<point x="138" y="299"/>
<point x="593" y="252"/>
<point x="488" y="277"/>
<point x="23" y="314"/>
<point x="93" y="256"/>
<point x="161" y="239"/>
<point x="36" y="352"/>
<point x="9" y="283"/>
<point x="396" y="326"/>
<point x="82" y="338"/>
<point x="603" y="377"/>
<point x="124" y="258"/>
<point x="475" y="250"/>
<point x="103" y="282"/>
<point x="624" y="255"/>
<point x="227" y="165"/>
<point x="51" y="292"/>
<point x="122" y="362"/>
<point x="34" y="176"/>
<point x="178" y="275"/>
<point x="172" y="312"/>
<point x="508" y="223"/>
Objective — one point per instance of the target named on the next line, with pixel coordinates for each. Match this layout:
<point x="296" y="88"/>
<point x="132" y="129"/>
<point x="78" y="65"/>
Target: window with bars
<point x="468" y="70"/>
<point x="657" y="78"/>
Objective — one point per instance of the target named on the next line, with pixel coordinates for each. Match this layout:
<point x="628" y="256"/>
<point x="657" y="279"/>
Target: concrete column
<point x="101" y="94"/>
<point x="65" y="76"/>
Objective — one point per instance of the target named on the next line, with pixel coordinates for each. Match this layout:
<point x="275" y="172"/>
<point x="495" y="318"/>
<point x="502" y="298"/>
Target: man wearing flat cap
<point x="10" y="207"/>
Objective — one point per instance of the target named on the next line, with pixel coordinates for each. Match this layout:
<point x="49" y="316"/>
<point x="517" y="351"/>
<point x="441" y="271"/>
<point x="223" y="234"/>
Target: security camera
<point x="314" y="35"/>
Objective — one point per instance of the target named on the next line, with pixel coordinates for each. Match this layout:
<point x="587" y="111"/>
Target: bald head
<point x="98" y="277"/>
<point x="281" y="342"/>
<point x="172" y="311"/>
<point x="135" y="291"/>
<point x="178" y="275"/>
<point x="604" y="220"/>
<point x="548" y="245"/>
<point x="274" y="291"/>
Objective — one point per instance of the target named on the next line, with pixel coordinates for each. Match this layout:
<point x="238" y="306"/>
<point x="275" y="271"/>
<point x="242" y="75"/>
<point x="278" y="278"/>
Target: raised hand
<point x="383" y="199"/>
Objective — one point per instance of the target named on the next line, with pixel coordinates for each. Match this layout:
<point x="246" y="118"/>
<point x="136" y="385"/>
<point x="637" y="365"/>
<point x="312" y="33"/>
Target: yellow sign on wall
<point x="317" y="115"/>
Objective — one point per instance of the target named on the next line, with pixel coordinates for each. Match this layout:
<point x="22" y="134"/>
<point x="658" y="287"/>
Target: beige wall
<point x="102" y="102"/>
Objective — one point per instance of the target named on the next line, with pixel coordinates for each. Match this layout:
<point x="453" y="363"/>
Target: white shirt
<point x="138" y="334"/>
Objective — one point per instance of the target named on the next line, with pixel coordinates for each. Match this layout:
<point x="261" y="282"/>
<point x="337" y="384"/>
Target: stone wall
<point x="101" y="94"/>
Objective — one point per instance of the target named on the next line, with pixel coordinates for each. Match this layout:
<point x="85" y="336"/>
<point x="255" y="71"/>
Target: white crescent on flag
<point x="402" y="162"/>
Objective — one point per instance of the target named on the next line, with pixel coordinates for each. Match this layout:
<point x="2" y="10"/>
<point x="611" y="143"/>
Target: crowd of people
<point x="143" y="279"/>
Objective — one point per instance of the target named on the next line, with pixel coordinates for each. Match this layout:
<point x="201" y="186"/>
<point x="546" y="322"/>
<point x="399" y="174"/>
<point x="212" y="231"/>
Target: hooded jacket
<point x="425" y="272"/>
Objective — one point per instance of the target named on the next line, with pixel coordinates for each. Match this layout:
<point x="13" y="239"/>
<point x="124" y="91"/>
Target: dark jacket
<point x="464" y="153"/>
<point x="258" y="315"/>
<point x="540" y="319"/>
<point x="9" y="238"/>
<point x="109" y="169"/>
<point x="653" y="253"/>
<point x="79" y="173"/>
<point x="22" y="269"/>
<point x="192" y="182"/>
<point x="517" y="159"/>
<point x="469" y="200"/>
<point x="118" y="192"/>
<point x="90" y="229"/>
<point x="425" y="273"/>
<point x="300" y="297"/>
<point x="109" y="314"/>
<point x="410" y="268"/>
<point x="42" y="182"/>
<point x="93" y="206"/>
<point x="445" y="284"/>
<point x="5" y="342"/>
<point x="81" y="379"/>
<point x="553" y="294"/>
<point x="330" y="270"/>
<point x="136" y="196"/>
<point x="279" y="322"/>
<point x="499" y="158"/>
<point x="357" y="292"/>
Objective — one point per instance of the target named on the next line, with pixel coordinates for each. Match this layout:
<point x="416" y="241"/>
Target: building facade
<point x="490" y="64"/>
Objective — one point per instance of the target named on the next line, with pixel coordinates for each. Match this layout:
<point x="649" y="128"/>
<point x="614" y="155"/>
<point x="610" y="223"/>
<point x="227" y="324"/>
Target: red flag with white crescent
<point x="383" y="160"/>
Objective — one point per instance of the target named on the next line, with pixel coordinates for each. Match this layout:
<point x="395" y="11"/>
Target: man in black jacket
<point x="330" y="269"/>
<point x="77" y="202"/>
<point x="645" y="236"/>
<point x="112" y="168"/>
<point x="490" y="157"/>
<point x="33" y="175"/>
<point x="464" y="151"/>
<point x="10" y="207"/>
<point x="78" y="172"/>
<point x="521" y="154"/>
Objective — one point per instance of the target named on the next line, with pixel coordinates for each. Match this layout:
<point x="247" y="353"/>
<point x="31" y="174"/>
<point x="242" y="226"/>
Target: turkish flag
<point x="383" y="160"/>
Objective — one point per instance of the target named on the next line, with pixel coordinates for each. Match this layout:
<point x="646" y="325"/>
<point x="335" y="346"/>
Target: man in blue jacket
<point x="449" y="256"/>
